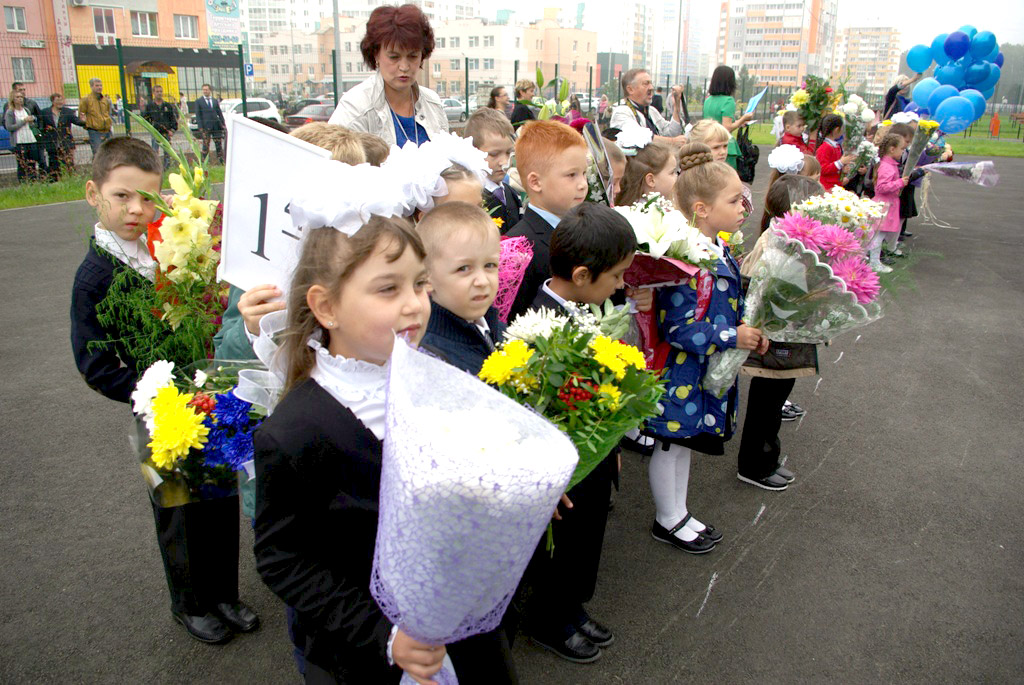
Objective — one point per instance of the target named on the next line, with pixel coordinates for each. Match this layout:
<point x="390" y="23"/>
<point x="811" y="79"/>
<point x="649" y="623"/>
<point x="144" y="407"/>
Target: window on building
<point x="455" y="64"/>
<point x="488" y="64"/>
<point x="186" y="26"/>
<point x="440" y="42"/>
<point x="575" y="46"/>
<point x="474" y="64"/>
<point x="474" y="41"/>
<point x="103" y="23"/>
<point x="488" y="41"/>
<point x="298" y="68"/>
<point x="323" y="67"/>
<point x="273" y="68"/>
<point x="455" y="87"/>
<point x="144" y="24"/>
<point x="473" y="86"/>
<point x="273" y="49"/>
<point x="309" y="49"/>
<point x="311" y="70"/>
<point x="348" y="47"/>
<point x="14" y="17"/>
<point x="455" y="42"/>
<point x="23" y="69"/>
<point x="517" y="42"/>
<point x="437" y="68"/>
<point x="284" y="49"/>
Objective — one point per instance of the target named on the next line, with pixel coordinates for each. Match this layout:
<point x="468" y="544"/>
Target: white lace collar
<point x="360" y="386"/>
<point x="134" y="254"/>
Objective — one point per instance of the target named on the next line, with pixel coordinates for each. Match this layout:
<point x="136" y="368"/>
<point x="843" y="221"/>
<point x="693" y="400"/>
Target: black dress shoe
<point x="240" y="617"/>
<point x="577" y="649"/>
<point x="206" y="628"/>
<point x="786" y="474"/>
<point x="699" y="545"/>
<point x="643" y="445"/>
<point x="596" y="633"/>
<point x="770" y="482"/>
<point x="711" y="534"/>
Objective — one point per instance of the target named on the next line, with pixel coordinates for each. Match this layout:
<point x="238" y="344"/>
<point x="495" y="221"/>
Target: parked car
<point x="296" y="106"/>
<point x="256" y="107"/>
<point x="455" y="109"/>
<point x="309" y="114"/>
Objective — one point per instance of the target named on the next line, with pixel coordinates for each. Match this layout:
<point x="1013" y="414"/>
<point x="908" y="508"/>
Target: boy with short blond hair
<point x="492" y="133"/>
<point x="344" y="144"/>
<point x="552" y="161"/>
<point x="463" y="246"/>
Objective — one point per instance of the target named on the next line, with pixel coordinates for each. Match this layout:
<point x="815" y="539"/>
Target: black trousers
<point x="561" y="583"/>
<point x="199" y="545"/>
<point x="219" y="136"/>
<point x="759" y="446"/>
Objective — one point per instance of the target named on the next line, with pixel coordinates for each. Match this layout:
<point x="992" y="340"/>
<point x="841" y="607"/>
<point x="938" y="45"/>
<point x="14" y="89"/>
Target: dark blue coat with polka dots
<point x="687" y="409"/>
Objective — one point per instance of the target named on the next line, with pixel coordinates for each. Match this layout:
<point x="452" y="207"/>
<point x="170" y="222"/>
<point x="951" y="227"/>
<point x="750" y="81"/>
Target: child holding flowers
<point x="888" y="187"/>
<point x="696" y="318"/>
<point x="830" y="152"/>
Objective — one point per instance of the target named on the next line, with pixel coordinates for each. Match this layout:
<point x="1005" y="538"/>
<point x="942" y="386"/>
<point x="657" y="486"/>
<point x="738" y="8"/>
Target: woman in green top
<point x="721" y="106"/>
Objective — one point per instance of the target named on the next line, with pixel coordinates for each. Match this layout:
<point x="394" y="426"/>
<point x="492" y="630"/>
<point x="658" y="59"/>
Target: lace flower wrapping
<point x="786" y="159"/>
<point x="467" y="489"/>
<point x="513" y="261"/>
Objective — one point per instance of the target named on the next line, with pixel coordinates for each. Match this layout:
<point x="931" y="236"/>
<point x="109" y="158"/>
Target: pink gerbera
<point x="801" y="228"/>
<point x="860" y="279"/>
<point x="836" y="242"/>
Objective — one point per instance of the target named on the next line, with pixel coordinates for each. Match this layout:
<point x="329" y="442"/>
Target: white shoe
<point x="897" y="252"/>
<point x="881" y="268"/>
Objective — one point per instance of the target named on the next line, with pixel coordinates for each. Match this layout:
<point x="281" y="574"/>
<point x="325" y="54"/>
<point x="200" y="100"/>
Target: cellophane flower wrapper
<point x="221" y="467"/>
<point x="923" y="135"/>
<point x="793" y="298"/>
<point x="982" y="173"/>
<point x="513" y="261"/>
<point x="467" y="489"/>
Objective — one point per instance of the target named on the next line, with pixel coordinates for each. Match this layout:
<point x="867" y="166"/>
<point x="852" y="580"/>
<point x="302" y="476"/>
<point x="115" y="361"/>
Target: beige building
<point x="491" y="51"/>
<point x="573" y="50"/>
<point x="868" y="58"/>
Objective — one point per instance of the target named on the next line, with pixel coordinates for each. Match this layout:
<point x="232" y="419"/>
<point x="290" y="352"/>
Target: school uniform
<point x="828" y="155"/>
<point x="563" y="582"/>
<point x="537" y="225"/>
<point x="693" y="417"/>
<point x="198" y="541"/>
<point x="502" y="202"/>
<point x="463" y="344"/>
<point x="798" y="142"/>
<point x="317" y="487"/>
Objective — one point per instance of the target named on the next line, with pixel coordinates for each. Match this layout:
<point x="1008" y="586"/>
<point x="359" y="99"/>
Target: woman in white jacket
<point x="390" y="104"/>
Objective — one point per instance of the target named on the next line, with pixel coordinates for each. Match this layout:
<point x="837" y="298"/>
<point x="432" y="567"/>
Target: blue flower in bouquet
<point x="238" y="449"/>
<point x="213" y="451"/>
<point x="231" y="411"/>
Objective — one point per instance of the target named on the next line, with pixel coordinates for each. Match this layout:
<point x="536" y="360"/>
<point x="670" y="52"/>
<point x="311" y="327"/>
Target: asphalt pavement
<point x="896" y="556"/>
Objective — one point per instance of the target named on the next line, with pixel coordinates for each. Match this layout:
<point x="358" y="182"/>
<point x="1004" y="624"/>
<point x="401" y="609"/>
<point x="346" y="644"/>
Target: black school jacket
<point x="510" y="212"/>
<point x="460" y="342"/>
<point x="538" y="232"/>
<point x="317" y="488"/>
<point x="111" y="372"/>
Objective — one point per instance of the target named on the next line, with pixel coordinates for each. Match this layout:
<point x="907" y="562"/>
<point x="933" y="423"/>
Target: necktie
<point x="499" y="192"/>
<point x="208" y="103"/>
<point x="646" y="111"/>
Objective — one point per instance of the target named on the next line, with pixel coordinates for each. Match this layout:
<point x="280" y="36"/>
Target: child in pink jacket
<point x="888" y="185"/>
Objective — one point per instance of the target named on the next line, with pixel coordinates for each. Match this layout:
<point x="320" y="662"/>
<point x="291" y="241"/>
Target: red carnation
<point x="828" y="89"/>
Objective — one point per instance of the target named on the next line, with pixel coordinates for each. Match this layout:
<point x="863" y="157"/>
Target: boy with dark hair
<point x="590" y="251"/>
<point x="552" y="161"/>
<point x="492" y="133"/>
<point x="198" y="541"/>
<point x="793" y="126"/>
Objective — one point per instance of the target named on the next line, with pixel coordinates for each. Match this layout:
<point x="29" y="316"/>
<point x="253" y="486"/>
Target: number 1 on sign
<point x="261" y="237"/>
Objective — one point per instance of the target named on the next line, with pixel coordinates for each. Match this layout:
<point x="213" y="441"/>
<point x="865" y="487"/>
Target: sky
<point x="919" y="22"/>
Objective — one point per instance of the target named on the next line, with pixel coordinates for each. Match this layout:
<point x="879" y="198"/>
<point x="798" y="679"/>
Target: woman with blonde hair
<point x="525" y="90"/>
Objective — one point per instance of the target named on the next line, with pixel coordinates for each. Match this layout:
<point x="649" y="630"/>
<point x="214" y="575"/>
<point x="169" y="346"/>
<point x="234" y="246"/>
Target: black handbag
<point x="746" y="161"/>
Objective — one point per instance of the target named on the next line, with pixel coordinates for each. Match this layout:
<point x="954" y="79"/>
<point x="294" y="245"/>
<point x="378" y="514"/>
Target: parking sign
<point x="248" y="69"/>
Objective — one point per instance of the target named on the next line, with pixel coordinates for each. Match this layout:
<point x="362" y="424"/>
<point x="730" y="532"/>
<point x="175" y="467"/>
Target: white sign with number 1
<point x="264" y="169"/>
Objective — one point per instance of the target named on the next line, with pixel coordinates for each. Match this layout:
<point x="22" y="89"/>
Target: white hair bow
<point x="786" y="159"/>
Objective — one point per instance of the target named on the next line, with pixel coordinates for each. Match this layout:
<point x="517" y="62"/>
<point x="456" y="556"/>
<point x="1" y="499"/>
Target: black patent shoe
<point x="238" y="616"/>
<point x="206" y="628"/>
<point x="711" y="534"/>
<point x="596" y="633"/>
<point x="699" y="545"/>
<point x="643" y="445"/>
<point x="577" y="649"/>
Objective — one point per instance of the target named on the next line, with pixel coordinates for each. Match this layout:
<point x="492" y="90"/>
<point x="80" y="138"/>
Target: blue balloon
<point x="949" y="75"/>
<point x="987" y="94"/>
<point x="939" y="49"/>
<point x="912" y="107"/>
<point x="977" y="99"/>
<point x="976" y="73"/>
<point x="955" y="114"/>
<point x="990" y="82"/>
<point x="965" y="61"/>
<point x="969" y="30"/>
<point x="919" y="58"/>
<point x="924" y="89"/>
<point x="939" y="94"/>
<point x="982" y="44"/>
<point x="957" y="45"/>
<point x="998" y="61"/>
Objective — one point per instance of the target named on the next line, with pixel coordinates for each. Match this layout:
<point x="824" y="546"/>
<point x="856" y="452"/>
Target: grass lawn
<point x="67" y="189"/>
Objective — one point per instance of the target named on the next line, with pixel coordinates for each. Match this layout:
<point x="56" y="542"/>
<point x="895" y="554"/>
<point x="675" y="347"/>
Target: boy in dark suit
<point x="210" y="121"/>
<point x="552" y="162"/>
<point x="198" y="541"/>
<point x="462" y="246"/>
<point x="492" y="133"/>
<point x="590" y="252"/>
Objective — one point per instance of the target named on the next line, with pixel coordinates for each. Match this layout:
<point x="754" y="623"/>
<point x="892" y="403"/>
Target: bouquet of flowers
<point x="192" y="434"/>
<point x="572" y="372"/>
<point x="815" y="99"/>
<point x="476" y="483"/>
<point x="926" y="130"/>
<point x="176" y="318"/>
<point x="669" y="244"/>
<point x="866" y="153"/>
<point x="981" y="173"/>
<point x="857" y="116"/>
<point x="734" y="241"/>
<point x="840" y="207"/>
<point x="811" y="284"/>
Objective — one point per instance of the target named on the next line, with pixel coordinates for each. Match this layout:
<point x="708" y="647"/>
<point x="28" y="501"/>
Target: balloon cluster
<point x="968" y="64"/>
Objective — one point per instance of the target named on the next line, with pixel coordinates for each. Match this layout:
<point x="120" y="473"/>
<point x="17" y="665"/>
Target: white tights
<point x="670" y="475"/>
<point x="889" y="238"/>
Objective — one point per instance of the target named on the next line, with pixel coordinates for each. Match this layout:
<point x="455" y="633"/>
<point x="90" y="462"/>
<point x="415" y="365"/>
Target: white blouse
<point x="360" y="386"/>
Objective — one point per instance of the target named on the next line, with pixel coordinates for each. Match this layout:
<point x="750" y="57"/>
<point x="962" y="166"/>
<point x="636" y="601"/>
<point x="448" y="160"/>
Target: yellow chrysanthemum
<point x="612" y="393"/>
<point x="606" y="354"/>
<point x="177" y="428"/>
<point x="632" y="356"/>
<point x="498" y="221"/>
<point x="500" y="366"/>
<point x="800" y="97"/>
<point x="927" y="124"/>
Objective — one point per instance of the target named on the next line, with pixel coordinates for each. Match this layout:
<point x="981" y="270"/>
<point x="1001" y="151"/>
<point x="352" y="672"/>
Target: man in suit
<point x="210" y="121"/>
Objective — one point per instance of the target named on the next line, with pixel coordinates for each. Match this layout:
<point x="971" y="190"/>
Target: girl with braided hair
<point x="695" y="319"/>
